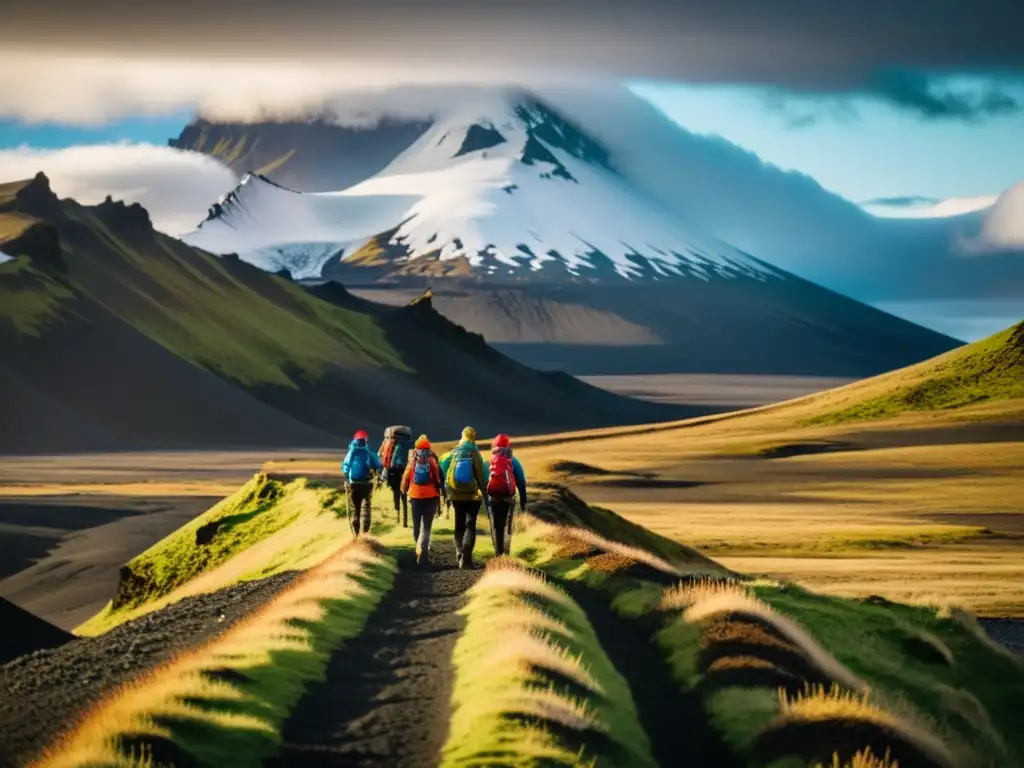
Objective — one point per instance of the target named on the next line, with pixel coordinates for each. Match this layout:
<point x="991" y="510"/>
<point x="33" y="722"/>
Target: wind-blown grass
<point x="533" y="686"/>
<point x="225" y="703"/>
<point x="264" y="528"/>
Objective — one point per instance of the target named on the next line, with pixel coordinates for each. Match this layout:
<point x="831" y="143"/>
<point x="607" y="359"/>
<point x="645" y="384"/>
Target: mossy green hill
<point x="986" y="371"/>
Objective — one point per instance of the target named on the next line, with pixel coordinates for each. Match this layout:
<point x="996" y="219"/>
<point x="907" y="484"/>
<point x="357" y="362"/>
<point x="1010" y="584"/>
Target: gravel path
<point x="43" y="692"/>
<point x="386" y="699"/>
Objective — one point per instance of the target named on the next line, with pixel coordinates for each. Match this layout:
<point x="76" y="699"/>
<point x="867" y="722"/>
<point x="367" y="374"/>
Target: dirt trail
<point x="675" y="722"/>
<point x="386" y="699"/>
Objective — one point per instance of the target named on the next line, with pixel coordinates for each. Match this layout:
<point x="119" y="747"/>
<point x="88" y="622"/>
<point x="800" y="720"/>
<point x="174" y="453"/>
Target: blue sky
<point x="861" y="150"/>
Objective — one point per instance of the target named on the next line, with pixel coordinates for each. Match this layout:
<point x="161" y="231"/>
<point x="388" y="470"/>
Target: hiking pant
<point x="401" y="501"/>
<point x="423" y="511"/>
<point x="502" y="510"/>
<point x="359" y="497"/>
<point x="465" y="527"/>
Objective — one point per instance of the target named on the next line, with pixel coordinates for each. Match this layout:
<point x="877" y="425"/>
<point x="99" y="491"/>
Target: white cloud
<point x="954" y="206"/>
<point x="176" y="187"/>
<point x="1004" y="224"/>
<point x="89" y="90"/>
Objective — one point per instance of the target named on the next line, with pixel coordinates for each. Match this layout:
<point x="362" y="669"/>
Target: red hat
<point x="501" y="441"/>
<point x="422" y="442"/>
<point x="360" y="435"/>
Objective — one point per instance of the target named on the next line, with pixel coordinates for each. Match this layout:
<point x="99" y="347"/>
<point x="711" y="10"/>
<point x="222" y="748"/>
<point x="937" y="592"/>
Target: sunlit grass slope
<point x="225" y="703"/>
<point x="924" y="686"/>
<point x="987" y="370"/>
<point x="544" y="693"/>
<point x="266" y="527"/>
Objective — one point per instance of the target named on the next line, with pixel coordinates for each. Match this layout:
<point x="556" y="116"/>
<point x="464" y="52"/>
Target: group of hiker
<point x="420" y="482"/>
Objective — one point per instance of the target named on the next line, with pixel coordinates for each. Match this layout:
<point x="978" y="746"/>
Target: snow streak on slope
<point x="503" y="182"/>
<point x="4" y="257"/>
<point x="275" y="228"/>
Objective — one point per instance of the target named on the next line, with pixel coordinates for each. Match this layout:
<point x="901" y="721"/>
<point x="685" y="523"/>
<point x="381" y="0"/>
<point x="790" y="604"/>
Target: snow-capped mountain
<point x="559" y="249"/>
<point x="503" y="187"/>
<point x="275" y="228"/>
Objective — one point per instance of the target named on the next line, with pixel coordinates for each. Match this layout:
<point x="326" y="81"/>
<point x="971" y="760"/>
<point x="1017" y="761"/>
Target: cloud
<point x="1003" y="225"/>
<point x="87" y="61"/>
<point x="176" y="187"/>
<point x="903" y="201"/>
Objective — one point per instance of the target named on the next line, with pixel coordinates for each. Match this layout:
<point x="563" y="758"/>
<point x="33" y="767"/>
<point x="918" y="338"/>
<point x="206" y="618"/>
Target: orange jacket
<point x="431" y="491"/>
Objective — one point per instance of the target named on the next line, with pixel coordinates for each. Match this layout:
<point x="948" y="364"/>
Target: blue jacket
<point x="517" y="471"/>
<point x="346" y="465"/>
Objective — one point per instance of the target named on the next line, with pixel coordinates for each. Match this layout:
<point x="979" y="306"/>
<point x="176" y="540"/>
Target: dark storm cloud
<point x="870" y="47"/>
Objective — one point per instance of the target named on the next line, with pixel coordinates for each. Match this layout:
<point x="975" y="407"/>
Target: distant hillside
<point x="988" y="370"/>
<point x="113" y="335"/>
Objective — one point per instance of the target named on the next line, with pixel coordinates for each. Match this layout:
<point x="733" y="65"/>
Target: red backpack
<point x="502" y="481"/>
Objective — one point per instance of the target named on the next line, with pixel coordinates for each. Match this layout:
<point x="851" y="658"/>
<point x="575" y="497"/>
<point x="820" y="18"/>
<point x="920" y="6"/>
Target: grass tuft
<point x="532" y="686"/>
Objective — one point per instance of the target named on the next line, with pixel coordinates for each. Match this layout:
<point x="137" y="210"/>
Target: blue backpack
<point x="463" y="478"/>
<point x="421" y="474"/>
<point x="359" y="465"/>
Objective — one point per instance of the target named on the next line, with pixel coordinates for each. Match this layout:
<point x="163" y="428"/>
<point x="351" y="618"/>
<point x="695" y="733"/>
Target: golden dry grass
<point x="818" y="704"/>
<point x="682" y="596"/>
<point x="863" y="759"/>
<point x="922" y="508"/>
<point x="738" y="603"/>
<point x="281" y="626"/>
<point x="143" y="489"/>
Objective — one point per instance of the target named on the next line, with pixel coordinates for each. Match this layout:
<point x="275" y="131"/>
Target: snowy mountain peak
<point x="501" y="188"/>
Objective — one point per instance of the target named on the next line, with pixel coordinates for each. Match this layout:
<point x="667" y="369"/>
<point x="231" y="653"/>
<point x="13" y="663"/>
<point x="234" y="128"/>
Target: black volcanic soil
<point x="60" y="555"/>
<point x="24" y="633"/>
<point x="386" y="697"/>
<point x="43" y="693"/>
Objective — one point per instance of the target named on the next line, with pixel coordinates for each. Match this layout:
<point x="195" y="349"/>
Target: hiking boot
<point x="419" y="556"/>
<point x="458" y="559"/>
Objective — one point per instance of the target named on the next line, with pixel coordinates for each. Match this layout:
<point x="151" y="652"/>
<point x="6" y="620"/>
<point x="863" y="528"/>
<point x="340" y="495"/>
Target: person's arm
<point x="407" y="479"/>
<point x="346" y="464"/>
<point x="481" y="475"/>
<point x="517" y="470"/>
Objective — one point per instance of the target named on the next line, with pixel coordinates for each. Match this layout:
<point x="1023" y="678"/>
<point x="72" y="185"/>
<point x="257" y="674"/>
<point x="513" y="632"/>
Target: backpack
<point x="359" y="465"/>
<point x="422" y="472"/>
<point x="396" y="455"/>
<point x="461" y="475"/>
<point x="502" y="481"/>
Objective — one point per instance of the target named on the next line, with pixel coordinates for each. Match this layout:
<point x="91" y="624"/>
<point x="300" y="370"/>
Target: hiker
<point x="505" y="477"/>
<point x="424" y="486"/>
<point x="394" y="455"/>
<point x="466" y="486"/>
<point x="358" y="467"/>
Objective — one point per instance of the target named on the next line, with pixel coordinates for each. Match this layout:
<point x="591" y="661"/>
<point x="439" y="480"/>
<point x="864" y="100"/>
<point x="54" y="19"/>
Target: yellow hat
<point x="469" y="434"/>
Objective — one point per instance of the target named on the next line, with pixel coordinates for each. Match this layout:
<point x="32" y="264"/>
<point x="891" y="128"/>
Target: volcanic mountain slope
<point x="532" y="236"/>
<point x="781" y="216"/>
<point x="114" y="335"/>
